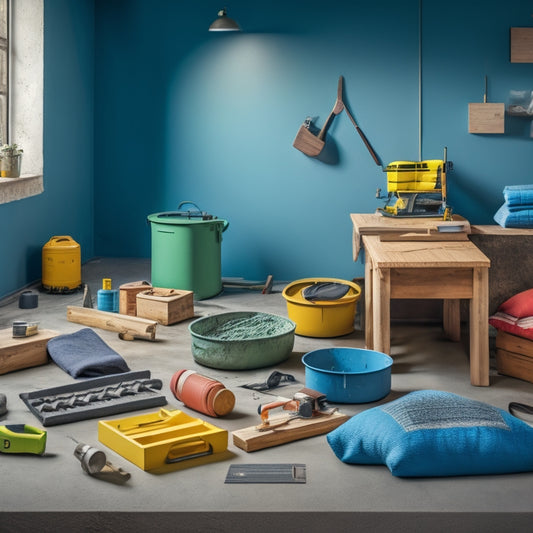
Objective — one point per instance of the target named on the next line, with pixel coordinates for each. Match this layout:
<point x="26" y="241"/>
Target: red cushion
<point x="522" y="327"/>
<point x="520" y="305"/>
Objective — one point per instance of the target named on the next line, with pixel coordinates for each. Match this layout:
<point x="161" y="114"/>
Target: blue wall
<point x="66" y="206"/>
<point x="184" y="114"/>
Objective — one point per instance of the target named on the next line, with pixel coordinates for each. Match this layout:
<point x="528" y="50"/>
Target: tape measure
<point x="21" y="438"/>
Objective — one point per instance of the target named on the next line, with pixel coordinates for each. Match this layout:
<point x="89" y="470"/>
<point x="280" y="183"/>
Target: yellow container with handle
<point x="61" y="264"/>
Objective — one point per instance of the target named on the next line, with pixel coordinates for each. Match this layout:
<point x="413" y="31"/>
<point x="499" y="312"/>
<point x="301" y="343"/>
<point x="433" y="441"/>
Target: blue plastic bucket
<point x="348" y="375"/>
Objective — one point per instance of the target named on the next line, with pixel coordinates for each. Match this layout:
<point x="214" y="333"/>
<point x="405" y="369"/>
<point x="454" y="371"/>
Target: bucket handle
<point x="191" y="203"/>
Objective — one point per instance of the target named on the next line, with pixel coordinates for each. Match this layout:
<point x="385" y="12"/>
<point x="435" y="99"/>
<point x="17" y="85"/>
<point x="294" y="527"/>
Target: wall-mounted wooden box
<point x="486" y="118"/>
<point x="128" y="296"/>
<point x="514" y="356"/>
<point x="166" y="306"/>
<point x="521" y="45"/>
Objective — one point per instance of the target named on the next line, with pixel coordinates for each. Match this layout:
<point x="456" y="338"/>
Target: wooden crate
<point x="128" y="296"/>
<point x="514" y="356"/>
<point x="166" y="306"/>
<point x="23" y="352"/>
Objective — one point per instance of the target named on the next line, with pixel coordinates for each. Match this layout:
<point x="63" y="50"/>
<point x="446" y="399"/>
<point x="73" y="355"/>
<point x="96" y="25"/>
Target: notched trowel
<point x="285" y="420"/>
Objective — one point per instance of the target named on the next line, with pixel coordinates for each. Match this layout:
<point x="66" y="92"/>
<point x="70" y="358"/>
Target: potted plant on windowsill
<point x="10" y="160"/>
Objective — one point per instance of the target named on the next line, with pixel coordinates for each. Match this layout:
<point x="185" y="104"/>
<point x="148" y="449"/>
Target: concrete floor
<point x="367" y="496"/>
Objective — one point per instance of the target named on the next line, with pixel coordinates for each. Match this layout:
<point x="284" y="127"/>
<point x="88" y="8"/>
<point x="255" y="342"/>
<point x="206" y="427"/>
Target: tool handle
<point x="209" y="451"/>
<point x="325" y="127"/>
<point x="365" y="140"/>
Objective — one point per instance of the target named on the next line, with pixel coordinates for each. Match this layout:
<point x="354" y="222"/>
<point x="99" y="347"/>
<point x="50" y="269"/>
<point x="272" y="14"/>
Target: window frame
<point x="26" y="87"/>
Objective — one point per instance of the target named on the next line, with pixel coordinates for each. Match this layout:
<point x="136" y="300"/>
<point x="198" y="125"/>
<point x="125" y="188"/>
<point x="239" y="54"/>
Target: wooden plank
<point x="128" y="327"/>
<point x="23" y="352"/>
<point x="376" y="224"/>
<point x="494" y="229"/>
<point x="251" y="439"/>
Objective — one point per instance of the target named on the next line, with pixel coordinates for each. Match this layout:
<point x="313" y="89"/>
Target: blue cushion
<point x="434" y="433"/>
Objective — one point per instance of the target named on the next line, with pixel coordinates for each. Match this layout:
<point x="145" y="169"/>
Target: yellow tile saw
<point x="417" y="189"/>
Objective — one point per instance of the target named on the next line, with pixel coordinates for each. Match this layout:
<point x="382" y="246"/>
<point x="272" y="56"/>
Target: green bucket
<point x="186" y="251"/>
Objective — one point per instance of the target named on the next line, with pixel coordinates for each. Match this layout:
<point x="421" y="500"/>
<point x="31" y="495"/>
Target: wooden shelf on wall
<point x="521" y="45"/>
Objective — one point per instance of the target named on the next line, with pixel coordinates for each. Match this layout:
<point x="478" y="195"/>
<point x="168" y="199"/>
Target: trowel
<point x="311" y="144"/>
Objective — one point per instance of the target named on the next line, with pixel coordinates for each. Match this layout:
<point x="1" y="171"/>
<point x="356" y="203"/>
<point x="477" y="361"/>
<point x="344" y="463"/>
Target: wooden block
<point x="128" y="327"/>
<point x="166" y="306"/>
<point x="128" y="296"/>
<point x="251" y="439"/>
<point x="23" y="352"/>
<point x="486" y="118"/>
<point x="514" y="356"/>
<point x="521" y="45"/>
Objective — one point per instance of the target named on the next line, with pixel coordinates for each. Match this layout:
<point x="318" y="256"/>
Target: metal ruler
<point x="267" y="473"/>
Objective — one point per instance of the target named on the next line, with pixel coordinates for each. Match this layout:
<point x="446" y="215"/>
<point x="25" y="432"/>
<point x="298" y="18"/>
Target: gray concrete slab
<point x="423" y="359"/>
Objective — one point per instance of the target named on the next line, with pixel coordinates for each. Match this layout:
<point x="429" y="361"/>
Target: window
<point x="4" y="70"/>
<point x="25" y="85"/>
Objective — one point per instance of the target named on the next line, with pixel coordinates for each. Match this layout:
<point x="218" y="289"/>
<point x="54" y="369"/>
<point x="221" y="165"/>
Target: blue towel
<point x="518" y="195"/>
<point x="512" y="217"/>
<point x="85" y="354"/>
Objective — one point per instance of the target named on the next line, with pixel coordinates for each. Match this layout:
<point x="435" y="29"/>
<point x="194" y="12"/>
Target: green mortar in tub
<point x="241" y="340"/>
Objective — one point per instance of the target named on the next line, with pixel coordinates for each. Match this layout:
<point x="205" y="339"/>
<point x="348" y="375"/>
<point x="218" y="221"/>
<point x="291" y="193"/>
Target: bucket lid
<point x="325" y="290"/>
<point x="185" y="217"/>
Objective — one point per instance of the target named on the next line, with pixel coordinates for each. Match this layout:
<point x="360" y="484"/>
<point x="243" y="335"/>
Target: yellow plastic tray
<point x="162" y="438"/>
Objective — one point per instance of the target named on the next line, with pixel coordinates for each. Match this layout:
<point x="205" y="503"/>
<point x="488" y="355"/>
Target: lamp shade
<point x="224" y="23"/>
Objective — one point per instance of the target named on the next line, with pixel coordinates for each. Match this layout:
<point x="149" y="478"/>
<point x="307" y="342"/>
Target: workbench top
<point x="427" y="254"/>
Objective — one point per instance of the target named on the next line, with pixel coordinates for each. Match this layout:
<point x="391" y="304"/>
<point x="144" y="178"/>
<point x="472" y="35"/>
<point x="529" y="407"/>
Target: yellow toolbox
<point x="61" y="264"/>
<point x="165" y="437"/>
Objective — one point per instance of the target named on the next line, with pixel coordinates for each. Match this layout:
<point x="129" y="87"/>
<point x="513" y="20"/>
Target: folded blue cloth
<point x="518" y="195"/>
<point x="85" y="354"/>
<point x="513" y="217"/>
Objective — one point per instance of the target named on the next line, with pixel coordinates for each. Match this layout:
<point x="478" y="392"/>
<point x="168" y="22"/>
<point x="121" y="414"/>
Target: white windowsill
<point x="12" y="189"/>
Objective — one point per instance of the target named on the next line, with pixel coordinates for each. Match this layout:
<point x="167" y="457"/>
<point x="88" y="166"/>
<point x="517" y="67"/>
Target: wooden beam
<point x="128" y="327"/>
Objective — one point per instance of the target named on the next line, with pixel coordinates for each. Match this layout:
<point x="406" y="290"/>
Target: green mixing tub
<point x="186" y="251"/>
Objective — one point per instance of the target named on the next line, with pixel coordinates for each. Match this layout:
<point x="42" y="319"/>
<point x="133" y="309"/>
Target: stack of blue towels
<point x="517" y="211"/>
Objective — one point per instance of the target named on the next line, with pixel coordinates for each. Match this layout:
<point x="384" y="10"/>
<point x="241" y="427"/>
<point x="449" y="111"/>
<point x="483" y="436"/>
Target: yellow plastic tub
<point x="328" y="318"/>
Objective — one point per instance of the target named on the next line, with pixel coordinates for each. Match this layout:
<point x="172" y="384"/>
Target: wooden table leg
<point x="369" y="334"/>
<point x="381" y="309"/>
<point x="451" y="319"/>
<point x="479" y="328"/>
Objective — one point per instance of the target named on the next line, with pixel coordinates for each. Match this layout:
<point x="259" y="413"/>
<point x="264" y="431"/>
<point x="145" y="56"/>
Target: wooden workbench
<point x="403" y="267"/>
